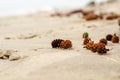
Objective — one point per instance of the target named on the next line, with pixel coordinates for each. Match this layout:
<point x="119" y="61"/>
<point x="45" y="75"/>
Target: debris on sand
<point x="60" y="43"/>
<point x="9" y="54"/>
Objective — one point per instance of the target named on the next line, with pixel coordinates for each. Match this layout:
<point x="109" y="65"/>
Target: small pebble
<point x="14" y="57"/>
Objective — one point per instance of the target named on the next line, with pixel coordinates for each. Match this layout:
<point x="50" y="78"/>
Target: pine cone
<point x="109" y="37"/>
<point x="97" y="47"/>
<point x="86" y="40"/>
<point x="115" y="39"/>
<point x="94" y="47"/>
<point x="66" y="44"/>
<point x="91" y="16"/>
<point x="56" y="43"/>
<point x="112" y="16"/>
<point x="101" y="48"/>
<point x="89" y="45"/>
<point x="103" y="41"/>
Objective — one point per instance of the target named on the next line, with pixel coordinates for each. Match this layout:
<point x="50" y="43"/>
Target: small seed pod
<point x="56" y="43"/>
<point x="115" y="39"/>
<point x="86" y="40"/>
<point x="103" y="41"/>
<point x="109" y="37"/>
<point x="65" y="44"/>
<point x="85" y="35"/>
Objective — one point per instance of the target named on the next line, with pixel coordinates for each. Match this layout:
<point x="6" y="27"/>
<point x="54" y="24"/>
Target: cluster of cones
<point x="99" y="47"/>
<point x="89" y="15"/>
<point x="114" y="38"/>
<point x="92" y="16"/>
<point x="60" y="43"/>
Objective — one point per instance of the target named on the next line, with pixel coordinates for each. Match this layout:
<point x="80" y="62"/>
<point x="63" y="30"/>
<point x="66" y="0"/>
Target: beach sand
<point x="31" y="35"/>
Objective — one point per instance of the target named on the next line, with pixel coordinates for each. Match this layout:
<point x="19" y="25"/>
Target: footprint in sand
<point x="9" y="38"/>
<point x="71" y="28"/>
<point x="30" y="36"/>
<point x="91" y="26"/>
<point x="48" y="32"/>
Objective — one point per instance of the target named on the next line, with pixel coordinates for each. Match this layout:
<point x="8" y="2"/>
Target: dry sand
<point x="31" y="36"/>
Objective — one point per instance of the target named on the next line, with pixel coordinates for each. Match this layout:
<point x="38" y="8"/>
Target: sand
<point x="31" y="36"/>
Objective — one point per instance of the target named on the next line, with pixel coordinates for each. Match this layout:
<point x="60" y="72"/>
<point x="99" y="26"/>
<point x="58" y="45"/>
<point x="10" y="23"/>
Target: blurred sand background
<point x="31" y="36"/>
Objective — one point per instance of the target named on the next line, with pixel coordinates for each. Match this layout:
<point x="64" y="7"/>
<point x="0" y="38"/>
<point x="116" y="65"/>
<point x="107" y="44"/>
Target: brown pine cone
<point x="91" y="16"/>
<point x="109" y="37"/>
<point x="94" y="47"/>
<point x="115" y="39"/>
<point x="89" y="45"/>
<point x="56" y="43"/>
<point x="66" y="44"/>
<point x="112" y="16"/>
<point x="101" y="48"/>
<point x="103" y="41"/>
<point x="97" y="47"/>
<point x="86" y="40"/>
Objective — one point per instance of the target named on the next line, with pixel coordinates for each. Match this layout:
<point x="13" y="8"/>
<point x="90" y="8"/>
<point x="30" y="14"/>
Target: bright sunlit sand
<point x="26" y="52"/>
